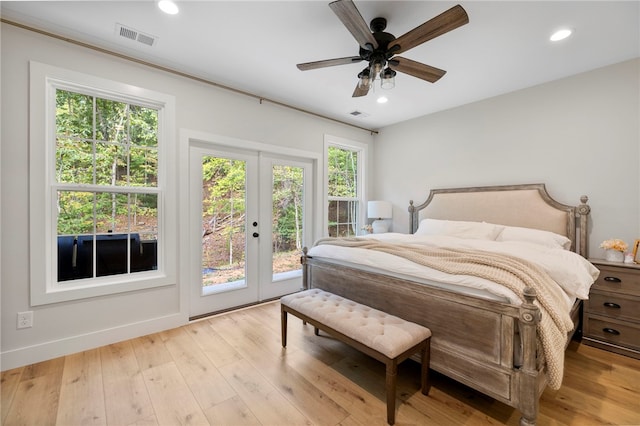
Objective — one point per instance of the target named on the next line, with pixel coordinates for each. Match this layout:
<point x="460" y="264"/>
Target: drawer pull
<point x="611" y="305"/>
<point x="613" y="279"/>
<point x="611" y="331"/>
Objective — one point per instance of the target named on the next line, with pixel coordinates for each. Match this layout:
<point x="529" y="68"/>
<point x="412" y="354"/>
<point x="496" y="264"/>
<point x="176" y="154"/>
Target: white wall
<point x="69" y="327"/>
<point x="578" y="135"/>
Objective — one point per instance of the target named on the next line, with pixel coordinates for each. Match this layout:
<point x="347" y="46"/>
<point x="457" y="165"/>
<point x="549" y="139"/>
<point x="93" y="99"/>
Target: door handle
<point x="256" y="235"/>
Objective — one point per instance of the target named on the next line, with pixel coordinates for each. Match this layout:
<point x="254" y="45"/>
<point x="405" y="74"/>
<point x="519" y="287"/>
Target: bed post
<point x="530" y="316"/>
<point x="305" y="269"/>
<point x="413" y="218"/>
<point x="583" y="213"/>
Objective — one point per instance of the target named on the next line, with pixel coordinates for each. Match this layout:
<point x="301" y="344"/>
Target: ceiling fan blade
<point x="348" y="13"/>
<point x="441" y="24"/>
<point x="328" y="63"/>
<point x="360" y="91"/>
<point x="416" y="69"/>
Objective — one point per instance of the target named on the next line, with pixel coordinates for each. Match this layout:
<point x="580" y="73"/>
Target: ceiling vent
<point x="359" y="114"/>
<point x="135" y="35"/>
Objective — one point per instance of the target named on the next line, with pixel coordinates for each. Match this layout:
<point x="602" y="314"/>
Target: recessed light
<point x="560" y="34"/>
<point x="382" y="99"/>
<point x="168" y="6"/>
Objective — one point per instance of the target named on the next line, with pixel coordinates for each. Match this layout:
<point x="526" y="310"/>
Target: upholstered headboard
<point x="528" y="206"/>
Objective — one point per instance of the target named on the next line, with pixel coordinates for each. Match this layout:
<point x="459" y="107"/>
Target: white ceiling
<point x="254" y="46"/>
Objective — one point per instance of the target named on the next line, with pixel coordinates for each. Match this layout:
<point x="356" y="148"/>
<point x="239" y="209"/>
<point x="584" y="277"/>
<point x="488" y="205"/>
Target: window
<point x="344" y="188"/>
<point x="104" y="225"/>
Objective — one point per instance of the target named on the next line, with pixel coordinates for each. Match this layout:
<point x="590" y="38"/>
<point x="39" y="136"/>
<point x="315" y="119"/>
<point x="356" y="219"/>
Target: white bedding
<point x="573" y="273"/>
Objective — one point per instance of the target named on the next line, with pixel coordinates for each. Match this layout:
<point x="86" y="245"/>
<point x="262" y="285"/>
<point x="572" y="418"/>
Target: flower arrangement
<point x="614" y="244"/>
<point x="367" y="228"/>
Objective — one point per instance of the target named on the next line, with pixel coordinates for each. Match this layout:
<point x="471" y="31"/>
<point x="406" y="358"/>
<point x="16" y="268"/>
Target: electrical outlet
<point x="25" y="319"/>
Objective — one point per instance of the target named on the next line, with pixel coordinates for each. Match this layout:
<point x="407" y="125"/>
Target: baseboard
<point x="48" y="350"/>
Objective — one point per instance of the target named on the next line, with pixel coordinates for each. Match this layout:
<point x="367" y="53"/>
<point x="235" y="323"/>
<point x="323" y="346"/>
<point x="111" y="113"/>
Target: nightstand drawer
<point x="613" y="305"/>
<point x="618" y="279"/>
<point x="612" y="331"/>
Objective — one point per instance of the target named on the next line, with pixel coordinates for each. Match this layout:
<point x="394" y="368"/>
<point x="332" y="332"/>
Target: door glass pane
<point x="223" y="223"/>
<point x="288" y="200"/>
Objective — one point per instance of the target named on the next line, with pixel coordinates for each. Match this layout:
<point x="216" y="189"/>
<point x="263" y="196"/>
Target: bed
<point x="486" y="341"/>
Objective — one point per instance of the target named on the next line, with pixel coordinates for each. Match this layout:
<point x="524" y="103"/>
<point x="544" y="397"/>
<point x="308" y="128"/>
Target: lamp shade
<point x="379" y="210"/>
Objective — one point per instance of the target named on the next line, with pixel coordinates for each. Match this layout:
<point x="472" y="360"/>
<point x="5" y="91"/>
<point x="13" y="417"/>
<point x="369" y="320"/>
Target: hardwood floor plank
<point x="82" y="393"/>
<point x="212" y="344"/>
<point x="233" y="411"/>
<point x="36" y="399"/>
<point x="150" y="351"/>
<point x="9" y="381"/>
<point x="264" y="399"/>
<point x="127" y="400"/>
<point x="173" y="402"/>
<point x="204" y="380"/>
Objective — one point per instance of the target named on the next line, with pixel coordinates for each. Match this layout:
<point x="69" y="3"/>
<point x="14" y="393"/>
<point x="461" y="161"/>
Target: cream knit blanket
<point x="512" y="272"/>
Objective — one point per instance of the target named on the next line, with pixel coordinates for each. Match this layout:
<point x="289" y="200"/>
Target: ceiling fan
<point x="378" y="47"/>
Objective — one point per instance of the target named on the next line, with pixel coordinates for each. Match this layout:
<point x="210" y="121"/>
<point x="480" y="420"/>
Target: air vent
<point x="135" y="35"/>
<point x="359" y="114"/>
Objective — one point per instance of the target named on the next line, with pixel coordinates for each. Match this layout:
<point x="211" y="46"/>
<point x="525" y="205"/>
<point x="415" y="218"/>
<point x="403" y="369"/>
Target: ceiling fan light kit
<point x="379" y="48"/>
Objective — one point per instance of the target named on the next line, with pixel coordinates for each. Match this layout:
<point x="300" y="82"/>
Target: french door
<point x="250" y="215"/>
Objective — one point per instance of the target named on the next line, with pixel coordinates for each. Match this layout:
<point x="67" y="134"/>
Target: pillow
<point x="535" y="236"/>
<point x="460" y="229"/>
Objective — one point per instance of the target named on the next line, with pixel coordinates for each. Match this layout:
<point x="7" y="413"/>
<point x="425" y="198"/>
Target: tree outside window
<point x="343" y="193"/>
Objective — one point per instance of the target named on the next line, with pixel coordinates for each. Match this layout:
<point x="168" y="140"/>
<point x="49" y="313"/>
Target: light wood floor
<point x="232" y="370"/>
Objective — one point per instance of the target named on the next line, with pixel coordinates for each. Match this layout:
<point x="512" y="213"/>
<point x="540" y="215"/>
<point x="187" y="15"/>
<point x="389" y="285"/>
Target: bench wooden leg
<point x="283" y="326"/>
<point x="392" y="374"/>
<point x="424" y="371"/>
<point x="316" y="331"/>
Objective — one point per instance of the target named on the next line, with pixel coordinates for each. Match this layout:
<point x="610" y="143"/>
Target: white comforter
<point x="573" y="273"/>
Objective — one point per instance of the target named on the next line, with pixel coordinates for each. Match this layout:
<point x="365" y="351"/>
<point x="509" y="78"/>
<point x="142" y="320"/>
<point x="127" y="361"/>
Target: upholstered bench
<point x="387" y="338"/>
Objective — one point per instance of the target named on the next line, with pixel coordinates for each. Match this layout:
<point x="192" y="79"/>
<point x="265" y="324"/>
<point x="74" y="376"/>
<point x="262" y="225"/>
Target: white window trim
<point x="361" y="148"/>
<point x="44" y="79"/>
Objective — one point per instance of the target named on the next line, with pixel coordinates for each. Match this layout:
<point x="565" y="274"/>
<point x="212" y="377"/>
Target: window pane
<point x="74" y="161"/>
<point x="143" y="167"/>
<point x="111" y="164"/>
<point x="342" y="172"/>
<point x="288" y="200"/>
<point x="112" y="213"/>
<point x="75" y="212"/>
<point x="74" y="115"/>
<point x="343" y="218"/>
<point x="144" y="126"/>
<point x="144" y="232"/>
<point x="144" y="214"/>
<point x="111" y="120"/>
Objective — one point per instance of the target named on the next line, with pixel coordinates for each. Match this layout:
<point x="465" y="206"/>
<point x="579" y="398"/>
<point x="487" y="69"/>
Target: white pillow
<point x="460" y="229"/>
<point x="535" y="236"/>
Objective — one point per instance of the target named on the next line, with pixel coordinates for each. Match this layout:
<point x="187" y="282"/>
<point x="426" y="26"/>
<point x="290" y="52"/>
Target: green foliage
<point x="343" y="172"/>
<point x="106" y="143"/>
<point x="288" y="192"/>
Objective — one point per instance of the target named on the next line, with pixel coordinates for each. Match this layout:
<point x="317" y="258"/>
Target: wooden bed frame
<point x="487" y="345"/>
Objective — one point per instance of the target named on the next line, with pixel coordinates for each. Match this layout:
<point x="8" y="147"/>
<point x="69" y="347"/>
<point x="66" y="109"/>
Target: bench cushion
<point x="380" y="331"/>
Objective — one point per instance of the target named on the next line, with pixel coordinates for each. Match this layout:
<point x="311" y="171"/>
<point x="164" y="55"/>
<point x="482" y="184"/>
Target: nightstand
<point x="611" y="316"/>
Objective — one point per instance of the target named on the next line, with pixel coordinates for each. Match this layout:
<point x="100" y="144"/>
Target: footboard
<point x="486" y="345"/>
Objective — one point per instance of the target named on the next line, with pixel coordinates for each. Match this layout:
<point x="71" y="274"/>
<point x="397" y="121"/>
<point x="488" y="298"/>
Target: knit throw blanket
<point x="512" y="272"/>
